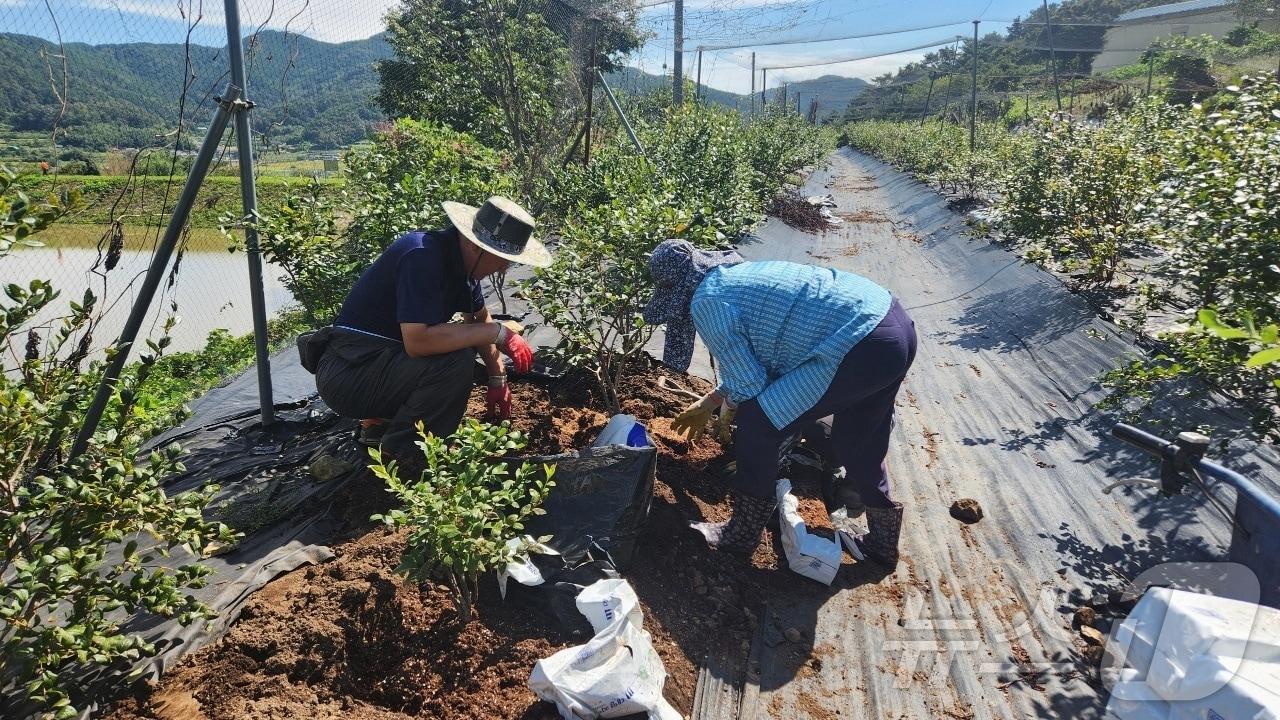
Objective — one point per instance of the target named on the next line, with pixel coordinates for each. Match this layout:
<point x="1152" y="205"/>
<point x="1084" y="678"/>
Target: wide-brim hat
<point x="501" y="227"/>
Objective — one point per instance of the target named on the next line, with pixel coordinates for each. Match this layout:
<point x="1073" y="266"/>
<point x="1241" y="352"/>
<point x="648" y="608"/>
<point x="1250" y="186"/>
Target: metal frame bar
<point x="249" y="199"/>
<point x="156" y="270"/>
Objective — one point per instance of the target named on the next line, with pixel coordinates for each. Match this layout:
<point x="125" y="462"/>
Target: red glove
<point x="497" y="399"/>
<point x="514" y="346"/>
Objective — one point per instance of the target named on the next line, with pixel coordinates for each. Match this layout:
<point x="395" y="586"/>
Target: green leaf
<point x="1263" y="357"/>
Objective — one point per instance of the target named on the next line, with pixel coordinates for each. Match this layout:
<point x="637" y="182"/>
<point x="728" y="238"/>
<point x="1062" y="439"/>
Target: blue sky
<point x="709" y="22"/>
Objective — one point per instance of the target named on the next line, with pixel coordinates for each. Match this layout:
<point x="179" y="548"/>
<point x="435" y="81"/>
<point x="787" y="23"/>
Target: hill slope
<point x="123" y="95"/>
<point x="307" y="92"/>
<point x="833" y="92"/>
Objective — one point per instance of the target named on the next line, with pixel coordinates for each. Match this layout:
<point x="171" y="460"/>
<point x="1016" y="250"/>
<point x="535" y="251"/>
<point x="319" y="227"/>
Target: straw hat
<point x="501" y="227"/>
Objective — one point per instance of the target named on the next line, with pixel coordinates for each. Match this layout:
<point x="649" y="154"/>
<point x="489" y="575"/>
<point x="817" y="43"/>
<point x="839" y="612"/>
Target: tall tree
<point x="501" y="70"/>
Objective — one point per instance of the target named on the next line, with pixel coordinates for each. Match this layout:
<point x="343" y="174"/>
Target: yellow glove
<point x="693" y="421"/>
<point x="724" y="422"/>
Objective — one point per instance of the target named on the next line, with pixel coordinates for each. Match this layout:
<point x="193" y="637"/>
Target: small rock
<point x="793" y="635"/>
<point x="328" y="467"/>
<point x="1093" y="636"/>
<point x="966" y="510"/>
<point x="1084" y="617"/>
<point x="1124" y="599"/>
<point x="1093" y="655"/>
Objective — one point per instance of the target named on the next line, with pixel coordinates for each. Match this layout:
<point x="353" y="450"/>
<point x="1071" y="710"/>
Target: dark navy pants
<point x="859" y="407"/>
<point x="367" y="377"/>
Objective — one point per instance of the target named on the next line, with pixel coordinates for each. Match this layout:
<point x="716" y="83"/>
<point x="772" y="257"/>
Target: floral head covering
<point x="678" y="268"/>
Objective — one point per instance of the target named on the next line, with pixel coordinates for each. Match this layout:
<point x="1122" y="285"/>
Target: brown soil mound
<point x="352" y="639"/>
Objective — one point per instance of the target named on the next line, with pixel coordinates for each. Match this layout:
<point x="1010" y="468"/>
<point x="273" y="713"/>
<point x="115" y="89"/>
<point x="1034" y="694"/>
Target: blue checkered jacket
<point x="779" y="330"/>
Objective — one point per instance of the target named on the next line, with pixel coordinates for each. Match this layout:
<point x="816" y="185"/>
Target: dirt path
<point x="975" y="623"/>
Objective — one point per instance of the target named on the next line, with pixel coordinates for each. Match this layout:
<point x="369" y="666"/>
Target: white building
<point x="1137" y="29"/>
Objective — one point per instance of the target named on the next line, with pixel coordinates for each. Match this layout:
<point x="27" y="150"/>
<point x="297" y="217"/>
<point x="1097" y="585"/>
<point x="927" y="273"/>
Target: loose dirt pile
<point x="863" y="216"/>
<point x="352" y="639"/>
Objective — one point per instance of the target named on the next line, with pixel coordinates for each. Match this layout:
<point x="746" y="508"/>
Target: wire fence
<point x="115" y="96"/>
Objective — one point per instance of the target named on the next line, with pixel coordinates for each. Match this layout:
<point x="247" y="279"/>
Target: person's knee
<point x="460" y="364"/>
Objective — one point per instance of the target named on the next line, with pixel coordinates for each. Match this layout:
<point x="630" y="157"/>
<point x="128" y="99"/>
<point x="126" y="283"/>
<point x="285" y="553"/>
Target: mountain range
<point x="307" y="92"/>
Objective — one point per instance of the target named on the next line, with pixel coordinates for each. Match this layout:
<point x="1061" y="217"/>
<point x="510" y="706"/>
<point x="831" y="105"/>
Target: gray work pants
<point x="361" y="376"/>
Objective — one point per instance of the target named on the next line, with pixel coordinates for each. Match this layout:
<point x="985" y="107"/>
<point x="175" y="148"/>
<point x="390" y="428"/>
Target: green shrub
<point x="66" y="591"/>
<point x="594" y="292"/>
<point x="465" y="508"/>
<point x="1216" y="213"/>
<point x="323" y="241"/>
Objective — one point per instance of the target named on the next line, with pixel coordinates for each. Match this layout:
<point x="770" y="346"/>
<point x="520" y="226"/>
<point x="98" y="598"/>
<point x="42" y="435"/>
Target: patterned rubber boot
<point x="741" y="533"/>
<point x="880" y="543"/>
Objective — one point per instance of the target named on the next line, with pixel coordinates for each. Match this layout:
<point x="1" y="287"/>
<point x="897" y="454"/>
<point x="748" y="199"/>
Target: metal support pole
<point x="1151" y="66"/>
<point x="677" y="74"/>
<point x="249" y="199"/>
<point x="933" y="76"/>
<point x="951" y="81"/>
<point x="764" y="87"/>
<point x="973" y="98"/>
<point x="621" y="115"/>
<point x="591" y="92"/>
<point x="784" y="94"/>
<point x="753" y="84"/>
<point x="697" y="89"/>
<point x="1072" y="108"/>
<point x="155" y="272"/>
<point x="573" y="149"/>
<point x="1053" y="56"/>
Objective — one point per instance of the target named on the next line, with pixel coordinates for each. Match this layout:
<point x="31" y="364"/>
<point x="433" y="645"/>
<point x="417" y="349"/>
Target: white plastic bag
<point x="814" y="557"/>
<point x="617" y="673"/>
<point x="521" y="566"/>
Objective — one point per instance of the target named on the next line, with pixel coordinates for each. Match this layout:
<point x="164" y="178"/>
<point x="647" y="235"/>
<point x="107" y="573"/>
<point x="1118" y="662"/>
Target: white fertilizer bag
<point x="617" y="673"/>
<point x="1184" y="656"/>
<point x="814" y="557"/>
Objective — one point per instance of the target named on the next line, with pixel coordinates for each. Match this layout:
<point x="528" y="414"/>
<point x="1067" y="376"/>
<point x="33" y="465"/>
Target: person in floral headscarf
<point x="795" y="345"/>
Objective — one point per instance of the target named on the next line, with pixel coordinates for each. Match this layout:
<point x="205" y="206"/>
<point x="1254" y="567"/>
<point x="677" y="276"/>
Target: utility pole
<point x="973" y="98"/>
<point x="933" y="76"/>
<point x="697" y="90"/>
<point x="677" y="89"/>
<point x="1053" y="56"/>
<point x="753" y="84"/>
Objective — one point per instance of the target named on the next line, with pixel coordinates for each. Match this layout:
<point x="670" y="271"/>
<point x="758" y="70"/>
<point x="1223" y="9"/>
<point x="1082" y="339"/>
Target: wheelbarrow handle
<point x="1144" y="440"/>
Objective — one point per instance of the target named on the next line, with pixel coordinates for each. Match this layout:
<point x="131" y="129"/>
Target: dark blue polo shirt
<point x="419" y="278"/>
